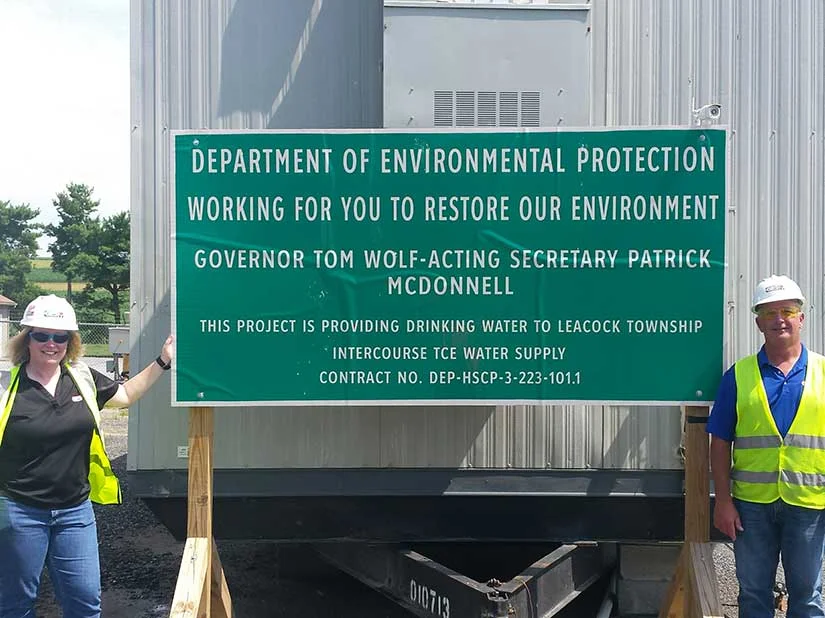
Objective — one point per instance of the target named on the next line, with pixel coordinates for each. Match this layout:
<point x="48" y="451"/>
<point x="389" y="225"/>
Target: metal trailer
<point x="503" y="474"/>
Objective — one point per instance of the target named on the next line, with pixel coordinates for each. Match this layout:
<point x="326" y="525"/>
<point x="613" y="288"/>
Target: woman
<point x="53" y="463"/>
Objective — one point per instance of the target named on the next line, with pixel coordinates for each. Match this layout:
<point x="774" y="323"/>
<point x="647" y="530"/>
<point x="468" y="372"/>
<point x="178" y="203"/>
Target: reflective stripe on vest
<point x="766" y="467"/>
<point x="7" y="400"/>
<point x="105" y="487"/>
<point x="797" y="478"/>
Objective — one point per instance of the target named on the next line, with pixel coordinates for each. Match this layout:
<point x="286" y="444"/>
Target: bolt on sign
<point x="444" y="267"/>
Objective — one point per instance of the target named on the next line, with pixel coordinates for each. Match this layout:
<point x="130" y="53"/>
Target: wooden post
<point x="201" y="436"/>
<point x="693" y="591"/>
<point x="125" y="369"/>
<point x="199" y="511"/>
<point x="201" y="591"/>
<point x="703" y="591"/>
<point x="221" y="601"/>
<point x="187" y="602"/>
<point x="697" y="476"/>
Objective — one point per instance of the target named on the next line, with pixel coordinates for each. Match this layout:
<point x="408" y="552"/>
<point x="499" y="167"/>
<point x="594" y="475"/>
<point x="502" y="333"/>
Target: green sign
<point x="409" y="267"/>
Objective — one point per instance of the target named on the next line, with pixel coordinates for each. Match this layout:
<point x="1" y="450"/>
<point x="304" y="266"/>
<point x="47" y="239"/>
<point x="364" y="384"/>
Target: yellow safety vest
<point x="766" y="467"/>
<point x="105" y="487"/>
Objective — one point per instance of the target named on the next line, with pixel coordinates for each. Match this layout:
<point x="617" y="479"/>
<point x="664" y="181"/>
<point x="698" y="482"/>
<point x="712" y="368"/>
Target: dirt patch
<point x="120" y="603"/>
<point x="158" y="541"/>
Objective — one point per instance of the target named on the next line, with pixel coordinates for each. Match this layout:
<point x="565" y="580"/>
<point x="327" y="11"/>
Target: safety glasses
<point x="785" y="312"/>
<point x="41" y="337"/>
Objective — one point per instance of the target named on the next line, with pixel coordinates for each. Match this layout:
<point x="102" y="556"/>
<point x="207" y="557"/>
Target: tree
<point x="104" y="263"/>
<point x="88" y="248"/>
<point x="75" y="208"/>
<point x="18" y="246"/>
<point x="95" y="305"/>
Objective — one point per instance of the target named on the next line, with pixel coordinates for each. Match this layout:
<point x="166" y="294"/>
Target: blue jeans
<point x="798" y="534"/>
<point x="64" y="540"/>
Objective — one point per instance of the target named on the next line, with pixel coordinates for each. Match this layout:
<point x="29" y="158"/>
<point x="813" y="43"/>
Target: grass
<point x="46" y="275"/>
<point x="97" y="349"/>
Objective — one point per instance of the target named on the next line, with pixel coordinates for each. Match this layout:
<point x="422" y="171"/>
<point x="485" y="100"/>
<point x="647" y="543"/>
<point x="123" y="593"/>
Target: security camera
<point x="708" y="112"/>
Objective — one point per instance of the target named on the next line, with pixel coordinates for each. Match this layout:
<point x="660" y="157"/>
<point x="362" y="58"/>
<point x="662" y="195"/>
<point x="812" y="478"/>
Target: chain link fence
<point x="96" y="339"/>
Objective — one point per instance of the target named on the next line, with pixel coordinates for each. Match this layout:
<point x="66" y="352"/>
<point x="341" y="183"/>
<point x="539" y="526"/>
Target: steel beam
<point x="430" y="589"/>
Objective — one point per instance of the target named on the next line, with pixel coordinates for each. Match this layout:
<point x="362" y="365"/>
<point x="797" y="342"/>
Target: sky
<point x="64" y="102"/>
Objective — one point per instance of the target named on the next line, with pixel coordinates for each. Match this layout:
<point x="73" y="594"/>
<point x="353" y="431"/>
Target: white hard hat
<point x="50" y="312"/>
<point x="776" y="287"/>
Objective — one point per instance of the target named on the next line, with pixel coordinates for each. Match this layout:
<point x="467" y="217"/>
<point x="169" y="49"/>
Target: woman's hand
<point x="135" y="387"/>
<point x="167" y="350"/>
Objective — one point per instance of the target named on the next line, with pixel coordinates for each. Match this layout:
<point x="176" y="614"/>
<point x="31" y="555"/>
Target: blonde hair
<point x="19" y="347"/>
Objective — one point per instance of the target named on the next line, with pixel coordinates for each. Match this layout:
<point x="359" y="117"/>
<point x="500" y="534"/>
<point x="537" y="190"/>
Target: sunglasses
<point x="785" y="312"/>
<point x="44" y="337"/>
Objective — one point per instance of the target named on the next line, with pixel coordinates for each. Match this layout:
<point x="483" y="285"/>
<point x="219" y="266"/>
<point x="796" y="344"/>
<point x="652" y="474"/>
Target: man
<point x="771" y="409"/>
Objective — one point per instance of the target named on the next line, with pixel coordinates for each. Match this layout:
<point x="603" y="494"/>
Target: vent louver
<point x="443" y="108"/>
<point x="467" y="108"/>
<point x="487" y="109"/>
<point x="508" y="109"/>
<point x="530" y="109"/>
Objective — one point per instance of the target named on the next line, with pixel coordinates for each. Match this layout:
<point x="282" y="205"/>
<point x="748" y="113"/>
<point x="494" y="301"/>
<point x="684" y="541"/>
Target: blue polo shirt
<point x="784" y="394"/>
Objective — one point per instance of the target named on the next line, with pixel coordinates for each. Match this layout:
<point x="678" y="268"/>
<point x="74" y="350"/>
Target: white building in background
<point x="6" y="305"/>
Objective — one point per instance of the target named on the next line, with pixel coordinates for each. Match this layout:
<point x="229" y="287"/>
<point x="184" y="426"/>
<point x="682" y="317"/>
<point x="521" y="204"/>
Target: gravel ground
<point x="140" y="562"/>
<point x="726" y="574"/>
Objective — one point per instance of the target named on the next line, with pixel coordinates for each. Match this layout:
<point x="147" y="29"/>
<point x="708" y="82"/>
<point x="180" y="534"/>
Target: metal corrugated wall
<point x="238" y="64"/>
<point x="762" y="60"/>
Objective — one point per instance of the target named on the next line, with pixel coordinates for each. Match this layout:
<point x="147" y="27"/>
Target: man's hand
<point x="726" y="518"/>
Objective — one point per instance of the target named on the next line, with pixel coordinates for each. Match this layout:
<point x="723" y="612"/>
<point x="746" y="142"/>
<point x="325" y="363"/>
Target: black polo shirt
<point x="44" y="455"/>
